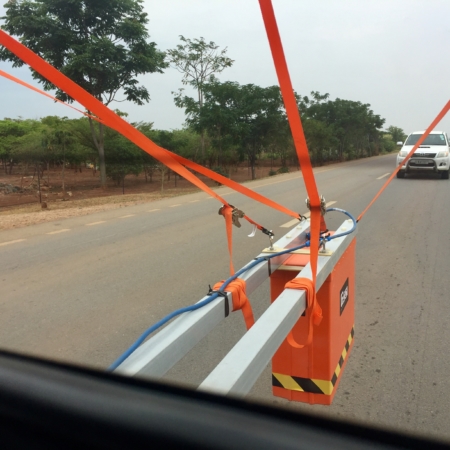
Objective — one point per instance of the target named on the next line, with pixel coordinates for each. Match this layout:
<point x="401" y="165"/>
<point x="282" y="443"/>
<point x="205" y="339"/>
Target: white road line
<point x="194" y="201"/>
<point x="383" y="176"/>
<point x="129" y="215"/>
<point x="59" y="231"/>
<point x="12" y="242"/>
<point x="293" y="222"/>
<point x="95" y="223"/>
<point x="173" y="206"/>
<point x="153" y="210"/>
<point x="290" y="179"/>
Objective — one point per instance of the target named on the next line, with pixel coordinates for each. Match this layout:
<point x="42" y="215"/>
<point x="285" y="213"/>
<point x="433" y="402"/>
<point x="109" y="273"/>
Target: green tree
<point x="261" y="114"/>
<point x="218" y="116"/>
<point x="353" y="124"/>
<point x="10" y="131"/>
<point x="198" y="61"/>
<point x="246" y="116"/>
<point x="398" y="135"/>
<point x="63" y="144"/>
<point x="100" y="44"/>
<point x="123" y="157"/>
<point x="320" y="140"/>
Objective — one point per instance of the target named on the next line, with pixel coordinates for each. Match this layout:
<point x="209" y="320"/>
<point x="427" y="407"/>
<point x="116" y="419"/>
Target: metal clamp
<point x="323" y="205"/>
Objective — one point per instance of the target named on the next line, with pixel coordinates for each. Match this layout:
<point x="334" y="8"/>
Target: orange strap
<point x="313" y="309"/>
<point x="295" y="123"/>
<point x="236" y="186"/>
<point x="39" y="91"/>
<point x="186" y="162"/>
<point x="240" y="299"/>
<point x="108" y="117"/>
<point x="227" y="212"/>
<point x="438" y="118"/>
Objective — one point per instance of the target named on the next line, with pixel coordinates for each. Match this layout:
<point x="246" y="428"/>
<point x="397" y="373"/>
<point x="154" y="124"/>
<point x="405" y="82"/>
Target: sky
<point x="391" y="54"/>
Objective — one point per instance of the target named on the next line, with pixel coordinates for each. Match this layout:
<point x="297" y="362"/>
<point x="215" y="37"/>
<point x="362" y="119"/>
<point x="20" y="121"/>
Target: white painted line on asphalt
<point x="173" y="206"/>
<point x="289" y="179"/>
<point x="59" y="231"/>
<point x="194" y="201"/>
<point x="128" y="215"/>
<point x="12" y="242"/>
<point x="383" y="176"/>
<point x="153" y="210"/>
<point x="293" y="222"/>
<point x="95" y="223"/>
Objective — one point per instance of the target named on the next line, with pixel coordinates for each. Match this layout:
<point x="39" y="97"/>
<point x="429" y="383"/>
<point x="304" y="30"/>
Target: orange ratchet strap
<point x="39" y="91"/>
<point x="227" y="212"/>
<point x="107" y="116"/>
<point x="240" y="300"/>
<point x="185" y="162"/>
<point x="438" y="118"/>
<point x="295" y="123"/>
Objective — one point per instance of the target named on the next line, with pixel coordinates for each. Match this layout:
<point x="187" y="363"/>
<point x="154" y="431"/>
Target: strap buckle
<point x="236" y="214"/>
<point x="323" y="205"/>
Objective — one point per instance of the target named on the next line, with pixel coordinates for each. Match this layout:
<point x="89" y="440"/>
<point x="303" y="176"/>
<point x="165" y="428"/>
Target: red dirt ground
<point x="86" y="185"/>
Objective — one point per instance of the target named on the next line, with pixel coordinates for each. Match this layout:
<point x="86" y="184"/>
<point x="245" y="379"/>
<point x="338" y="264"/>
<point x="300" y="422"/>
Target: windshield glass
<point x="107" y="246"/>
<point x="432" y="139"/>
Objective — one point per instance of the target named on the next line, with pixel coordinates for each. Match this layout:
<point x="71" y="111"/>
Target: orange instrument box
<point x="311" y="374"/>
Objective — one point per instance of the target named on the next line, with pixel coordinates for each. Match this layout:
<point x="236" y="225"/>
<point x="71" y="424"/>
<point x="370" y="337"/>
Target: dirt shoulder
<point x="33" y="214"/>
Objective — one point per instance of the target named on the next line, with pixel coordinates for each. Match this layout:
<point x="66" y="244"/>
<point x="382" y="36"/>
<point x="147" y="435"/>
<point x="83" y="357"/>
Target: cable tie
<point x="269" y="263"/>
<point x="224" y="295"/>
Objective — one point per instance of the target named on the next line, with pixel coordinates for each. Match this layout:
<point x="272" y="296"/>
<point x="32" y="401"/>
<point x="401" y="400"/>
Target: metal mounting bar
<point x="238" y="371"/>
<point x="163" y="350"/>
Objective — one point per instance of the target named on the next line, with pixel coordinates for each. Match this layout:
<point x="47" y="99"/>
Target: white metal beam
<point x="163" y="350"/>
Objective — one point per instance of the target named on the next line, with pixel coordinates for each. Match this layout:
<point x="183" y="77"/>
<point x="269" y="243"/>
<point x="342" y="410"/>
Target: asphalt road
<point x="82" y="289"/>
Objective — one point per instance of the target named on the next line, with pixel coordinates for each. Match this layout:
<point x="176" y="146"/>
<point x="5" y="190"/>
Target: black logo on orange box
<point x="345" y="294"/>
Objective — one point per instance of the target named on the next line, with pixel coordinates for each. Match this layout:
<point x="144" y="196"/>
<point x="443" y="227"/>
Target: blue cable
<point x="213" y="296"/>
<point x="345" y="233"/>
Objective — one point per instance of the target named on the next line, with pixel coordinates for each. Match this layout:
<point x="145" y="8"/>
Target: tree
<point x="198" y="61"/>
<point x="102" y="45"/>
<point x="10" y="131"/>
<point x="353" y="124"/>
<point x="262" y="115"/>
<point x="397" y="134"/>
<point x="218" y="116"/>
<point x="320" y="140"/>
<point x="123" y="157"/>
<point x="246" y="116"/>
<point x="63" y="145"/>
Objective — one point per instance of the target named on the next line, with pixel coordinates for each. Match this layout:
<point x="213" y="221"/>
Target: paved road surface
<point x="82" y="289"/>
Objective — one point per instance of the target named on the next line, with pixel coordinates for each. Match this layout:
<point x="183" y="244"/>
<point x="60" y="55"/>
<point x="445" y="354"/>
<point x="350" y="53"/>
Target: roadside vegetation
<point x="228" y="125"/>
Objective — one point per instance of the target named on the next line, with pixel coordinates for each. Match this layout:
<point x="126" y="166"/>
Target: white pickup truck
<point x="431" y="156"/>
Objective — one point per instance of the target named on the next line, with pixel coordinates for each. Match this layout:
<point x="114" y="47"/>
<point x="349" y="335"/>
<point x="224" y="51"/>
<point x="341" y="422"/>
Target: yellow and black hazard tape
<point x="313" y="386"/>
